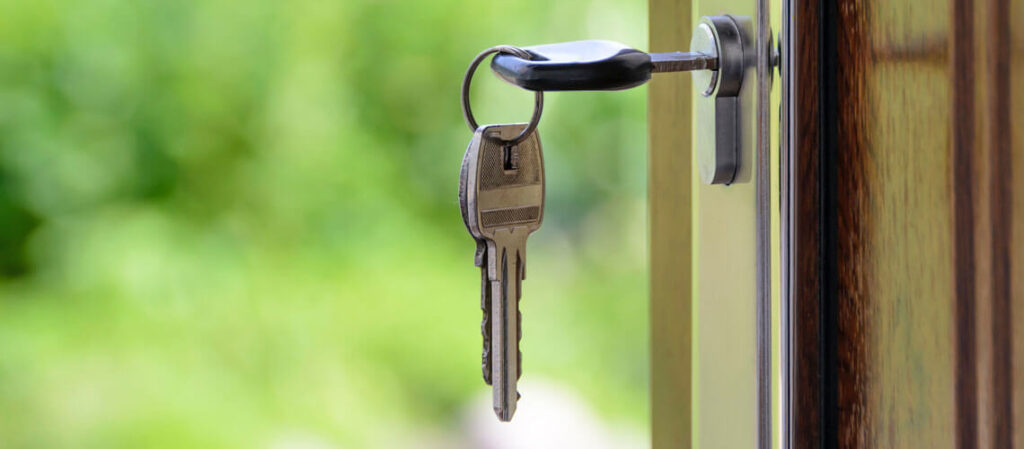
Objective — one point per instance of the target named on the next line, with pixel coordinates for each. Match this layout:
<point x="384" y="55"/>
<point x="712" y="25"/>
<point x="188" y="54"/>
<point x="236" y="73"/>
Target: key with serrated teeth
<point x="503" y="202"/>
<point x="479" y="259"/>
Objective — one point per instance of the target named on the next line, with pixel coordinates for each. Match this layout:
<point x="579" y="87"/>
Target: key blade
<point x="682" y="62"/>
<point x="505" y="336"/>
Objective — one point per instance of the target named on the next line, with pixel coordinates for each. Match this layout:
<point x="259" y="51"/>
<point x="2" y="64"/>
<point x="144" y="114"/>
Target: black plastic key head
<point x="579" y="65"/>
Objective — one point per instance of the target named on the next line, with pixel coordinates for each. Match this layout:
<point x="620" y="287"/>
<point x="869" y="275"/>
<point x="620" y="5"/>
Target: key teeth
<point x="485" y="323"/>
<point x="481" y="253"/>
<point x="485" y="364"/>
<point x="519" y="365"/>
<point x="519" y="339"/>
<point x="485" y="328"/>
<point x="485" y="361"/>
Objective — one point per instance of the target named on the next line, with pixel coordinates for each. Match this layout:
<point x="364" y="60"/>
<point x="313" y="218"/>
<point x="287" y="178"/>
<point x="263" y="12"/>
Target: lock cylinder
<point x="717" y="103"/>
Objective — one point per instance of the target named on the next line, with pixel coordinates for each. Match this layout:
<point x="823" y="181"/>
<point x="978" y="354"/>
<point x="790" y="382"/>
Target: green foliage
<point x="234" y="223"/>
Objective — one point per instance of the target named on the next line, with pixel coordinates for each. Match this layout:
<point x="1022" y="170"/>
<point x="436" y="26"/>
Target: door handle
<point x="717" y="57"/>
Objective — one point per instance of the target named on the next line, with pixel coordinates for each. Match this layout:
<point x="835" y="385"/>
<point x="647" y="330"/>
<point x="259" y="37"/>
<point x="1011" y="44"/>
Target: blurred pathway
<point x="548" y="416"/>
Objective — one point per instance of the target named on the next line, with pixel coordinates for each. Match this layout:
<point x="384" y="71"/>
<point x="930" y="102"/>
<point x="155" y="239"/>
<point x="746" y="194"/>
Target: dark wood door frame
<point x="826" y="45"/>
<point x="803" y="245"/>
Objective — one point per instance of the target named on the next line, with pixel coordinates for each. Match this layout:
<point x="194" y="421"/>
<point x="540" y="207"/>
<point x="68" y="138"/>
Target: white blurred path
<point x="548" y="416"/>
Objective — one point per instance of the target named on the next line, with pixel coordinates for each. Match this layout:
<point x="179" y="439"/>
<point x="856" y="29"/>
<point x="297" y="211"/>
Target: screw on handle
<point x="592" y="65"/>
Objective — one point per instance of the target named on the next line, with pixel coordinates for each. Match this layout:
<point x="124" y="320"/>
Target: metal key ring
<point x="538" y="98"/>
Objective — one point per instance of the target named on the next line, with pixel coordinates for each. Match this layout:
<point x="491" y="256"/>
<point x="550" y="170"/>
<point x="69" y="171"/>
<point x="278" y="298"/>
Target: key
<point x="479" y="260"/>
<point x="504" y="205"/>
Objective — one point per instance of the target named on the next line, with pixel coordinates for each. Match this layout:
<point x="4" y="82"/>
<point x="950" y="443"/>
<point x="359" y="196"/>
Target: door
<point x="864" y="287"/>
<point x="904" y="179"/>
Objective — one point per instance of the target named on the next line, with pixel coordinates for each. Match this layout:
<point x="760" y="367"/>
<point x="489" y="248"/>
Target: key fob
<point x="578" y="65"/>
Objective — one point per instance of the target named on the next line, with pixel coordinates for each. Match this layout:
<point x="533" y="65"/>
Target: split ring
<point x="538" y="98"/>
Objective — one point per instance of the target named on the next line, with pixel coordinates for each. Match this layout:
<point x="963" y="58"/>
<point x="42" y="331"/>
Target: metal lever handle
<point x="592" y="65"/>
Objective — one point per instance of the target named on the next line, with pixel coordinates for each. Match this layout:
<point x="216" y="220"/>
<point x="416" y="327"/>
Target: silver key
<point x="504" y="187"/>
<point x="479" y="259"/>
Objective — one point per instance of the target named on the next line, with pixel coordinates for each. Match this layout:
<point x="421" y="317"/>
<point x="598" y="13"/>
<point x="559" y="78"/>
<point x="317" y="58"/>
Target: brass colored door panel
<point x="670" y="169"/>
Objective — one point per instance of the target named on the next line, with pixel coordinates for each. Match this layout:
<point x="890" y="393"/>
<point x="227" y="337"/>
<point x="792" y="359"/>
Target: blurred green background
<point x="234" y="224"/>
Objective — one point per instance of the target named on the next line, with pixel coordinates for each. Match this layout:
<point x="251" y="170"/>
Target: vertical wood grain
<point x="998" y="69"/>
<point x="889" y="106"/>
<point x="1015" y="96"/>
<point x="992" y="155"/>
<point x="1015" y="243"/>
<point x="904" y="253"/>
<point x="963" y="186"/>
<point x="919" y="134"/>
<point x="669" y="200"/>
<point x="802" y="189"/>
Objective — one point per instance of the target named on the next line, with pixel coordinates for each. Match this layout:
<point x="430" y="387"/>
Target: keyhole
<point x="510" y="157"/>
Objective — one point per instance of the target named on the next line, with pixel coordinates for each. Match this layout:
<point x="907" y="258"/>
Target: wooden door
<point x="905" y="176"/>
<point x="895" y="253"/>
